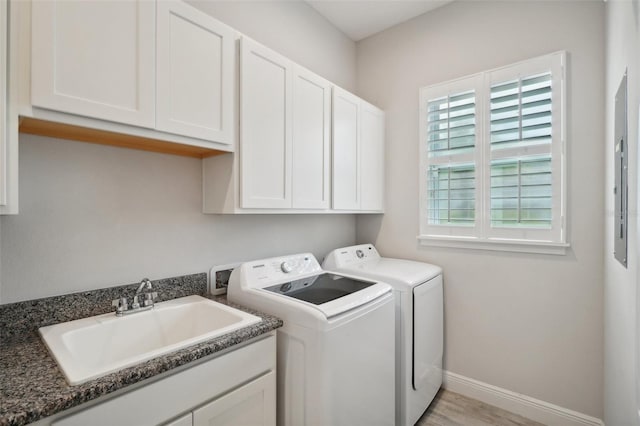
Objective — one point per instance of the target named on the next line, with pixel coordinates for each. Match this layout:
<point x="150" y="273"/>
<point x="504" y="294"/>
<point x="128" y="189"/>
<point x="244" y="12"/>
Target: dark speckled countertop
<point x="32" y="386"/>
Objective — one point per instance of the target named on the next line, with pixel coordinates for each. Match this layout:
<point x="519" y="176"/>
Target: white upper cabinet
<point x="372" y="158"/>
<point x="265" y="127"/>
<point x="346" y="150"/>
<point x="195" y="73"/>
<point x="285" y="125"/>
<point x="311" y="141"/>
<point x="95" y="58"/>
<point x="358" y="154"/>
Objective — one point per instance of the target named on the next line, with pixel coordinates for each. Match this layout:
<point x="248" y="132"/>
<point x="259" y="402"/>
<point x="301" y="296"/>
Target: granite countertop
<point x="32" y="386"/>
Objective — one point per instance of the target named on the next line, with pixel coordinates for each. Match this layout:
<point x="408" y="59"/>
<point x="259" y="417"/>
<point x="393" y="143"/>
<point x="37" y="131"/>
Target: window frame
<point x="483" y="235"/>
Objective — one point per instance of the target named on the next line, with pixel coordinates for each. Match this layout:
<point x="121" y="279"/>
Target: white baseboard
<point x="531" y="408"/>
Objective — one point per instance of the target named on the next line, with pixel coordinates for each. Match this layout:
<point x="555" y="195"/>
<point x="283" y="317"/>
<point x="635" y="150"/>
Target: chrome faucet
<point x="145" y="283"/>
<point x="122" y="305"/>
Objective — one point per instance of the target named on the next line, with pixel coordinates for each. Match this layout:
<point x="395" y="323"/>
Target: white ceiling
<point x="359" y="19"/>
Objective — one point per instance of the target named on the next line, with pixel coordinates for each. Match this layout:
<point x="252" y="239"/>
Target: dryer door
<point x="427" y="334"/>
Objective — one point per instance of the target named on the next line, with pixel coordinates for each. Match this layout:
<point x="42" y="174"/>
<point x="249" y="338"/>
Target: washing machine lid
<point x="397" y="271"/>
<point x="320" y="289"/>
<point x="331" y="294"/>
<point x="364" y="261"/>
<point x="297" y="282"/>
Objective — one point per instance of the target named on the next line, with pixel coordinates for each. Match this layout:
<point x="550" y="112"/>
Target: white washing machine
<point x="419" y="320"/>
<point x="334" y="363"/>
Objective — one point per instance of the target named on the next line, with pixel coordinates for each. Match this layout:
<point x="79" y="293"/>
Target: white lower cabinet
<point x="249" y="405"/>
<point x="186" y="420"/>
<point x="237" y="388"/>
<point x="253" y="404"/>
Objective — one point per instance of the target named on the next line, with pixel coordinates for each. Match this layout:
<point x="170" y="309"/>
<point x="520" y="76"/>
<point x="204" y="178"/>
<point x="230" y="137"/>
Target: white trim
<point x="523" y="246"/>
<point x="526" y="406"/>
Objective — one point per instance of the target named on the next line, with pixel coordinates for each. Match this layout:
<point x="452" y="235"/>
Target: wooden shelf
<point x="83" y="134"/>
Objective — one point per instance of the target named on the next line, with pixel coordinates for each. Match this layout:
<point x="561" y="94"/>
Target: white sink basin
<point x="92" y="347"/>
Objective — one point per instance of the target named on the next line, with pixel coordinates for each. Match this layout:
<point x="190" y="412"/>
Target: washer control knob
<point x="286" y="268"/>
<point x="360" y="254"/>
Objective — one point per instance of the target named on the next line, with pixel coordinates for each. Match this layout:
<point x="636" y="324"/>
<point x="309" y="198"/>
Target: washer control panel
<point x="351" y="256"/>
<point x="266" y="272"/>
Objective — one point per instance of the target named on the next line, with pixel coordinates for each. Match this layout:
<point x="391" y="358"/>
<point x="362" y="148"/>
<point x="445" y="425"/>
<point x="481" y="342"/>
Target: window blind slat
<point x="521" y="192"/>
<point x="537" y="80"/>
<point x="543" y="93"/>
<point x="451" y="194"/>
<point x="511" y="142"/>
<point x="520" y="112"/>
<point x="451" y="124"/>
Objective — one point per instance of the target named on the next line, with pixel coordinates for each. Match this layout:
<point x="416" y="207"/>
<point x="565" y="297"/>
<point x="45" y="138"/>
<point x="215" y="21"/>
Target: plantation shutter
<point x="452" y="194"/>
<point x="492" y="166"/>
<point x="452" y="124"/>
<point x="450" y="120"/>
<point x="521" y="184"/>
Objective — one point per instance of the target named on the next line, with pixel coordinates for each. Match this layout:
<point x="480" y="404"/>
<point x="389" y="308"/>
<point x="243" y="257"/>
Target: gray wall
<point x="620" y="293"/>
<point x="95" y="216"/>
<point x="528" y="323"/>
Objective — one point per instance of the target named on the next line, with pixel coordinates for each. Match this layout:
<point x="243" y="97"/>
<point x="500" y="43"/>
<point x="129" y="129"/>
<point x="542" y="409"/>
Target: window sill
<point x="517" y="246"/>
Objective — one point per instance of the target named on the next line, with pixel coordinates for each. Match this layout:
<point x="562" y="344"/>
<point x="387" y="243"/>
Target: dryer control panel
<point x="267" y="272"/>
<point x="350" y="256"/>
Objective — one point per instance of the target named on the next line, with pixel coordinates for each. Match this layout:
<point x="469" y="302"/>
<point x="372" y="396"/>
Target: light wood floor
<point x="452" y="409"/>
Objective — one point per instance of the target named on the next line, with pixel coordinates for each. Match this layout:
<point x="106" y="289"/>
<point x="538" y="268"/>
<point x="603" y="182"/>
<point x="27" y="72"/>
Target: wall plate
<point x="219" y="278"/>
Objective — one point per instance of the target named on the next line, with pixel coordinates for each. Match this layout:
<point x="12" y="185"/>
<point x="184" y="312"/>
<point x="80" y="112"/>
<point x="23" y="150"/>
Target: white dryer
<point x="419" y="322"/>
<point x="334" y="363"/>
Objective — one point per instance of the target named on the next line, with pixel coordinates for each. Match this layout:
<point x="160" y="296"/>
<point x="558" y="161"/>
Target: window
<point x="492" y="159"/>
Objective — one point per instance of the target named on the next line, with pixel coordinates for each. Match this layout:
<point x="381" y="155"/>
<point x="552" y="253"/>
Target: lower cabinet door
<point x="186" y="420"/>
<point x="249" y="405"/>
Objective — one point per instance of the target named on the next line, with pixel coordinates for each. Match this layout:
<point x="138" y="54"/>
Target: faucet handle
<point x="120" y="304"/>
<point x="135" y="304"/>
<point x="150" y="298"/>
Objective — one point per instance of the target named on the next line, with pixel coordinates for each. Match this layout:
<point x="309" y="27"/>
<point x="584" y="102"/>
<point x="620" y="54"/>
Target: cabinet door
<point x="253" y="404"/>
<point x="346" y="167"/>
<point x="95" y="58"/>
<point x="265" y="127"/>
<point x="311" y="139"/>
<point x="186" y="420"/>
<point x="372" y="158"/>
<point x="195" y="73"/>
